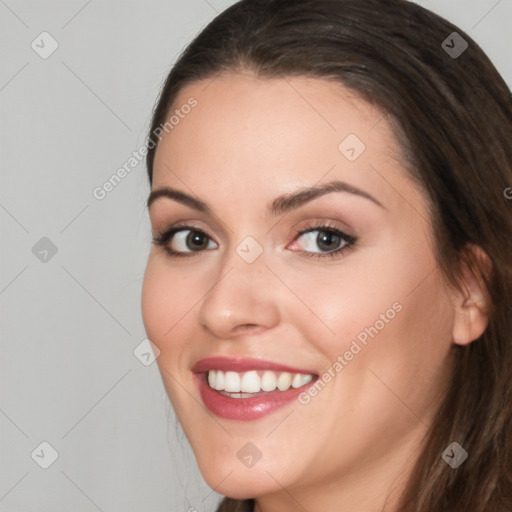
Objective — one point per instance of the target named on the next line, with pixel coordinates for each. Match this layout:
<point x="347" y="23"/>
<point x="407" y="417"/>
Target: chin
<point x="242" y="483"/>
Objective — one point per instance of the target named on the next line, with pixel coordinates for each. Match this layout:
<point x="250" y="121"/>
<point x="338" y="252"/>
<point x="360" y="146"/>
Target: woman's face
<point x="356" y="302"/>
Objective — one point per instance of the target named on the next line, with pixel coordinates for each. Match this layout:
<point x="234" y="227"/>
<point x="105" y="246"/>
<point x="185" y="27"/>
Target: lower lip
<point x="245" y="409"/>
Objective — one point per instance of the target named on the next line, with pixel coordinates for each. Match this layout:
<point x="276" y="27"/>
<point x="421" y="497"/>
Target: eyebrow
<point x="280" y="205"/>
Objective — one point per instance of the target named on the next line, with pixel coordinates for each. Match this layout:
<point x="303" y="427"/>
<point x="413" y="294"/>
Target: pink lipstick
<point x="248" y="389"/>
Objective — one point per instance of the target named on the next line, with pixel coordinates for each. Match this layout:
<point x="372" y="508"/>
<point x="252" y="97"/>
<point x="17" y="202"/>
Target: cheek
<point x="389" y="311"/>
<point x="359" y="299"/>
<point x="156" y="303"/>
<point x="367" y="284"/>
<point x="168" y="298"/>
<point x="162" y="295"/>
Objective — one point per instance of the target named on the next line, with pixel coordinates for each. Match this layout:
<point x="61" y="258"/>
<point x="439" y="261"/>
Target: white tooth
<point x="306" y="379"/>
<point x="211" y="378"/>
<point x="284" y="381"/>
<point x="268" y="381"/>
<point x="250" y="382"/>
<point x="219" y="380"/>
<point x="232" y="382"/>
<point x="297" y="380"/>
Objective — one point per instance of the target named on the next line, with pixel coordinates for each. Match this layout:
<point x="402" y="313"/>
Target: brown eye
<point x="323" y="241"/>
<point x="196" y="240"/>
<point x="184" y="240"/>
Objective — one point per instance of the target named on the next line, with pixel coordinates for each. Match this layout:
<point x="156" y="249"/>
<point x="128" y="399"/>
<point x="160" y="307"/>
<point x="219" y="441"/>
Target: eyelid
<point x="319" y="222"/>
<point x="182" y="226"/>
<point x="305" y="226"/>
<point x="165" y="235"/>
<point x="163" y="238"/>
<point x="349" y="240"/>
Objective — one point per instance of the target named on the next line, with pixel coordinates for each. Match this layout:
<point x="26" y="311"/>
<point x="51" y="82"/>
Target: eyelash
<point x="163" y="238"/>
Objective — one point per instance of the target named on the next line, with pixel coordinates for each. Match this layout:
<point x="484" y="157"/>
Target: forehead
<point x="280" y="132"/>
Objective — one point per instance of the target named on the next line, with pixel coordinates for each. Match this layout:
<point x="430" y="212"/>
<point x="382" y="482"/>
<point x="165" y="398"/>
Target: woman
<point x="330" y="282"/>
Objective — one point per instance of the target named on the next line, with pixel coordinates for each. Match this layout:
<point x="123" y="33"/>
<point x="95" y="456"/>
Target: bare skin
<point x="248" y="141"/>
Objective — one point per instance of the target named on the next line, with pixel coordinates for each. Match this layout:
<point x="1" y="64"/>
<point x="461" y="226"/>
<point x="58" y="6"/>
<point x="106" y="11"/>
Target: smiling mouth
<point x="254" y="382"/>
<point x="247" y="389"/>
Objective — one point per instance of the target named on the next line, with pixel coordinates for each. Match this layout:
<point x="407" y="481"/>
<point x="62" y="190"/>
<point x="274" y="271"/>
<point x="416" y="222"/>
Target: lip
<point x="244" y="409"/>
<point x="238" y="364"/>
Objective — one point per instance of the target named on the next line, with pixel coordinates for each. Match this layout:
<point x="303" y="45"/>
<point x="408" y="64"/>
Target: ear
<point x="471" y="305"/>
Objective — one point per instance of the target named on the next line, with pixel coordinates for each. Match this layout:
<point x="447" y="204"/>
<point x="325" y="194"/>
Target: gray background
<point x="69" y="324"/>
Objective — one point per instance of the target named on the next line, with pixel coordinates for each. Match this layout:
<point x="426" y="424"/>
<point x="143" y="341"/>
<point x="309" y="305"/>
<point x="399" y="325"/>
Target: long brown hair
<point x="453" y="116"/>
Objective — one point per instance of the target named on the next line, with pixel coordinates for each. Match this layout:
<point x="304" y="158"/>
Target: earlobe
<point x="471" y="304"/>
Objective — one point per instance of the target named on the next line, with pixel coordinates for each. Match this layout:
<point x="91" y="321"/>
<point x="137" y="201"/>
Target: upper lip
<point x="237" y="364"/>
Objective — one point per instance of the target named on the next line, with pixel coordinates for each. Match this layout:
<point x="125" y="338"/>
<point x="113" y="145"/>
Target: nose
<point x="240" y="299"/>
